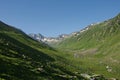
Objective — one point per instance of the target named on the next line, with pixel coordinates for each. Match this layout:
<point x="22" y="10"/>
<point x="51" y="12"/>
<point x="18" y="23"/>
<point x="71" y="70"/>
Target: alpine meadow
<point x="90" y="54"/>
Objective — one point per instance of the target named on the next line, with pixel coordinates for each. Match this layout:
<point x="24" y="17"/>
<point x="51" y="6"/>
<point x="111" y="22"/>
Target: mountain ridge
<point x="63" y="36"/>
<point x="109" y="22"/>
<point x="48" y="40"/>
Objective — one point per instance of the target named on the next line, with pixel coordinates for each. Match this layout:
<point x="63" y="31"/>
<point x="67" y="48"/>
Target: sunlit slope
<point x="107" y="32"/>
<point x="96" y="48"/>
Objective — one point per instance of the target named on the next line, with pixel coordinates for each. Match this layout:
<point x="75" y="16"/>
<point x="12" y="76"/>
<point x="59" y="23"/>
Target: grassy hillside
<point x="95" y="35"/>
<point x="22" y="58"/>
<point x="86" y="54"/>
<point x="96" y="48"/>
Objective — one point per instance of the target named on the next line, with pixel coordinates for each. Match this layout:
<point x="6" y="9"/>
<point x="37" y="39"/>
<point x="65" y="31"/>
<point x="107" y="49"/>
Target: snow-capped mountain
<point x="37" y="37"/>
<point x="42" y="38"/>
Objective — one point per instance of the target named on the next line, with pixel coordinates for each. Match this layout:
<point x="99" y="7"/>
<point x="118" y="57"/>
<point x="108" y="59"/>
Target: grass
<point x="94" y="49"/>
<point x="22" y="58"/>
<point x="89" y="52"/>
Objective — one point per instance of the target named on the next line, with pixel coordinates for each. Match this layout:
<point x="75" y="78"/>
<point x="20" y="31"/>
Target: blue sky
<point x="54" y="17"/>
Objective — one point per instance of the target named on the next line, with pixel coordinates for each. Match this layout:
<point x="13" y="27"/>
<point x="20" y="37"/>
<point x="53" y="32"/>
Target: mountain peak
<point x="40" y="37"/>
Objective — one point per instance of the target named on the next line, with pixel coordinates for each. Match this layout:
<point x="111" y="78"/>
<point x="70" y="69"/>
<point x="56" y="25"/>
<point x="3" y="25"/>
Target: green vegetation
<point x="93" y="53"/>
<point x="96" y="50"/>
<point x="23" y="58"/>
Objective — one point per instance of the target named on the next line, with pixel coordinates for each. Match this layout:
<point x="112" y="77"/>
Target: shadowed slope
<point x="23" y="58"/>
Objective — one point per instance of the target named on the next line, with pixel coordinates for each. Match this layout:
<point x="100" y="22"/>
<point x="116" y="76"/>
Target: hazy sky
<point x="54" y="17"/>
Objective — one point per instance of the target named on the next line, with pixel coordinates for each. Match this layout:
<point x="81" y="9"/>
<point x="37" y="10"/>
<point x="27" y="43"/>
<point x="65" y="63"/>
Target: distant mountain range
<point x="39" y="37"/>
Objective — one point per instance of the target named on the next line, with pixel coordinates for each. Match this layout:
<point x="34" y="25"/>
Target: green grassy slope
<point x="94" y="51"/>
<point x="96" y="48"/>
<point x="22" y="58"/>
<point x="96" y="35"/>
